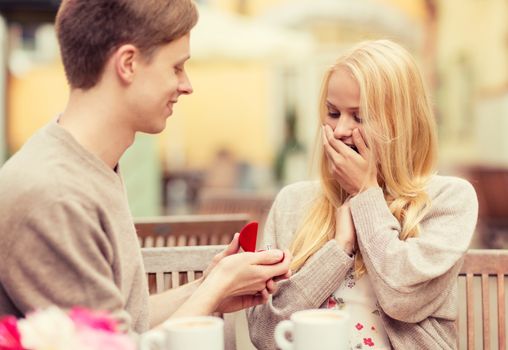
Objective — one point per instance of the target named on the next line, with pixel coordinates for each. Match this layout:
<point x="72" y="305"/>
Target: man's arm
<point x="164" y="304"/>
<point x="61" y="256"/>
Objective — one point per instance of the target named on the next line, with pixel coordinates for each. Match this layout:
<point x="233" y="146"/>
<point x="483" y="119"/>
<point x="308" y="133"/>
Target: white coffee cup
<point x="316" y="329"/>
<point x="200" y="332"/>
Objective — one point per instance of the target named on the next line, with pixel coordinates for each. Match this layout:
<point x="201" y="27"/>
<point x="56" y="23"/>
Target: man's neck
<point x="98" y="125"/>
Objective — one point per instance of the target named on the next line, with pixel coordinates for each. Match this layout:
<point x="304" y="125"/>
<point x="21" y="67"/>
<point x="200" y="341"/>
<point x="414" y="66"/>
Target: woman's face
<point x="343" y="106"/>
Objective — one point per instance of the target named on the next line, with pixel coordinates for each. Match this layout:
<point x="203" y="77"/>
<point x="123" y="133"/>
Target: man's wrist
<point x="215" y="285"/>
<point x="203" y="301"/>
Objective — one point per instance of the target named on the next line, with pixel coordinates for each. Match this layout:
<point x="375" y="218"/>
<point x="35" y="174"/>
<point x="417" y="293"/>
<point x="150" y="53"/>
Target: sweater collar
<point x="58" y="132"/>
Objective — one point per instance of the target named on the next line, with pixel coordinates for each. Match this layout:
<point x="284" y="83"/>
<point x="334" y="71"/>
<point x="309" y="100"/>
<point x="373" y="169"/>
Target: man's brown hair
<point x="89" y="31"/>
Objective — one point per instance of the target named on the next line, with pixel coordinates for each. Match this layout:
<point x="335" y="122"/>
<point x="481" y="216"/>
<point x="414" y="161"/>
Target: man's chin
<point x="169" y="110"/>
<point x="153" y="128"/>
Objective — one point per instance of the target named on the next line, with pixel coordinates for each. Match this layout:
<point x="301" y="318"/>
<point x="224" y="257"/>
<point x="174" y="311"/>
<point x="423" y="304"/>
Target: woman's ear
<point x="125" y="62"/>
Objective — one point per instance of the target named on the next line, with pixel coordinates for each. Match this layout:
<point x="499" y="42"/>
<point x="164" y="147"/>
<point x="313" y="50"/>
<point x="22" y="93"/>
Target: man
<point x="67" y="236"/>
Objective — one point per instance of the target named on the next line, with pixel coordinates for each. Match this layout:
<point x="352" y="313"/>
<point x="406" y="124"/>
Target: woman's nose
<point x="343" y="128"/>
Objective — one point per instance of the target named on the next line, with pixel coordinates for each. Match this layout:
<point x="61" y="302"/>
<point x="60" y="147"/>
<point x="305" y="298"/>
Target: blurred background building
<point x="256" y="68"/>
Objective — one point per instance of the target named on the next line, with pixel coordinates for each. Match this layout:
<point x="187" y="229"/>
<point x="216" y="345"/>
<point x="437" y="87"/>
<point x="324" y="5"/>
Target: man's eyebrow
<point x="181" y="61"/>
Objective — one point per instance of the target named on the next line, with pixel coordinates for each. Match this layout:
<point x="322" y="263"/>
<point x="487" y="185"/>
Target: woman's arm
<point x="413" y="278"/>
<point x="307" y="288"/>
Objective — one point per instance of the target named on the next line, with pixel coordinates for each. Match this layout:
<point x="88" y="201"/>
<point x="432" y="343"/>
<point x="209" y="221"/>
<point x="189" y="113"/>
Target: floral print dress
<point x="358" y="299"/>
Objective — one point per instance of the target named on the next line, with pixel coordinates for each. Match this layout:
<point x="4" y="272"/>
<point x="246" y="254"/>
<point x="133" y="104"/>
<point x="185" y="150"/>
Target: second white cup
<point x="317" y="329"/>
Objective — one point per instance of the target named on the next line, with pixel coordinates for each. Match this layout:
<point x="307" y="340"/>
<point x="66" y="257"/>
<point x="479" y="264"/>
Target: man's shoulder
<point x="43" y="164"/>
<point x="33" y="171"/>
<point x="31" y="158"/>
<point x="35" y="178"/>
<point x="33" y="190"/>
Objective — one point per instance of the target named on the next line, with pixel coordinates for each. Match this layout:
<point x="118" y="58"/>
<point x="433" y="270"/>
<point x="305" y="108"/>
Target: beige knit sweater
<point x="414" y="280"/>
<point x="66" y="233"/>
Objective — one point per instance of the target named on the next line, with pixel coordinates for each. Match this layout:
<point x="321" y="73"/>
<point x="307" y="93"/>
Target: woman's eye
<point x="333" y="114"/>
<point x="357" y="118"/>
<point x="178" y="70"/>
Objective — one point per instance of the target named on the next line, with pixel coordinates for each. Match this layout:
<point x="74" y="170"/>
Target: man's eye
<point x="178" y="69"/>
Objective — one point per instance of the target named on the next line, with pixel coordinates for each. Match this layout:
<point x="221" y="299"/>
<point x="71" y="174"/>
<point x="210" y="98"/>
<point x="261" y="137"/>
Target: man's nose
<point x="185" y="87"/>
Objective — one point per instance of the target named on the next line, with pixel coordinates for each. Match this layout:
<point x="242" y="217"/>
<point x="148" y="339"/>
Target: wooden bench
<point x="171" y="267"/>
<point x="188" y="230"/>
<point x="481" y="270"/>
<point x="482" y="288"/>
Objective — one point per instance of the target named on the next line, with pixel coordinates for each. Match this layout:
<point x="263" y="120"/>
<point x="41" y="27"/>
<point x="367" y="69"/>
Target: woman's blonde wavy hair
<point x="401" y="133"/>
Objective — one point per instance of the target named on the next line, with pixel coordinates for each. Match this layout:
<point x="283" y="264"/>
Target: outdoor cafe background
<point x="256" y="68"/>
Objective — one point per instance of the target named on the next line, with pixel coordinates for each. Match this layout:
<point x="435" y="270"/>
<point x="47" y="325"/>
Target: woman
<point x="381" y="235"/>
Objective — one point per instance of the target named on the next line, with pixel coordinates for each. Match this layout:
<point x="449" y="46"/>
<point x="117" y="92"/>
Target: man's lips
<point x="170" y="104"/>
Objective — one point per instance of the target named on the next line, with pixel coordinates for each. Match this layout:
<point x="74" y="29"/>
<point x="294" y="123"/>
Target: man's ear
<point x="125" y="60"/>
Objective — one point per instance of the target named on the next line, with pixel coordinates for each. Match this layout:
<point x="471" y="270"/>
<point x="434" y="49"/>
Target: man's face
<point x="157" y="85"/>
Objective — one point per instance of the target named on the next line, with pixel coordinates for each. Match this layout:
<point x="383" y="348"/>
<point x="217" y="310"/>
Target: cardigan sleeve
<point x="413" y="278"/>
<point x="308" y="288"/>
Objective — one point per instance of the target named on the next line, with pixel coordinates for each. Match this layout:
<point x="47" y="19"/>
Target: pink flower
<point x="48" y="329"/>
<point x="91" y="339"/>
<point x="93" y="319"/>
<point x="9" y="334"/>
<point x="359" y="326"/>
<point x="53" y="329"/>
<point x="331" y="303"/>
<point x="98" y="330"/>
<point x="368" y="342"/>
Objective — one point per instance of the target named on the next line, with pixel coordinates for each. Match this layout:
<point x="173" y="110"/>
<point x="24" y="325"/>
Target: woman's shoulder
<point x="452" y="191"/>
<point x="450" y="185"/>
<point x="290" y="206"/>
<point x="297" y="196"/>
<point x="302" y="190"/>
